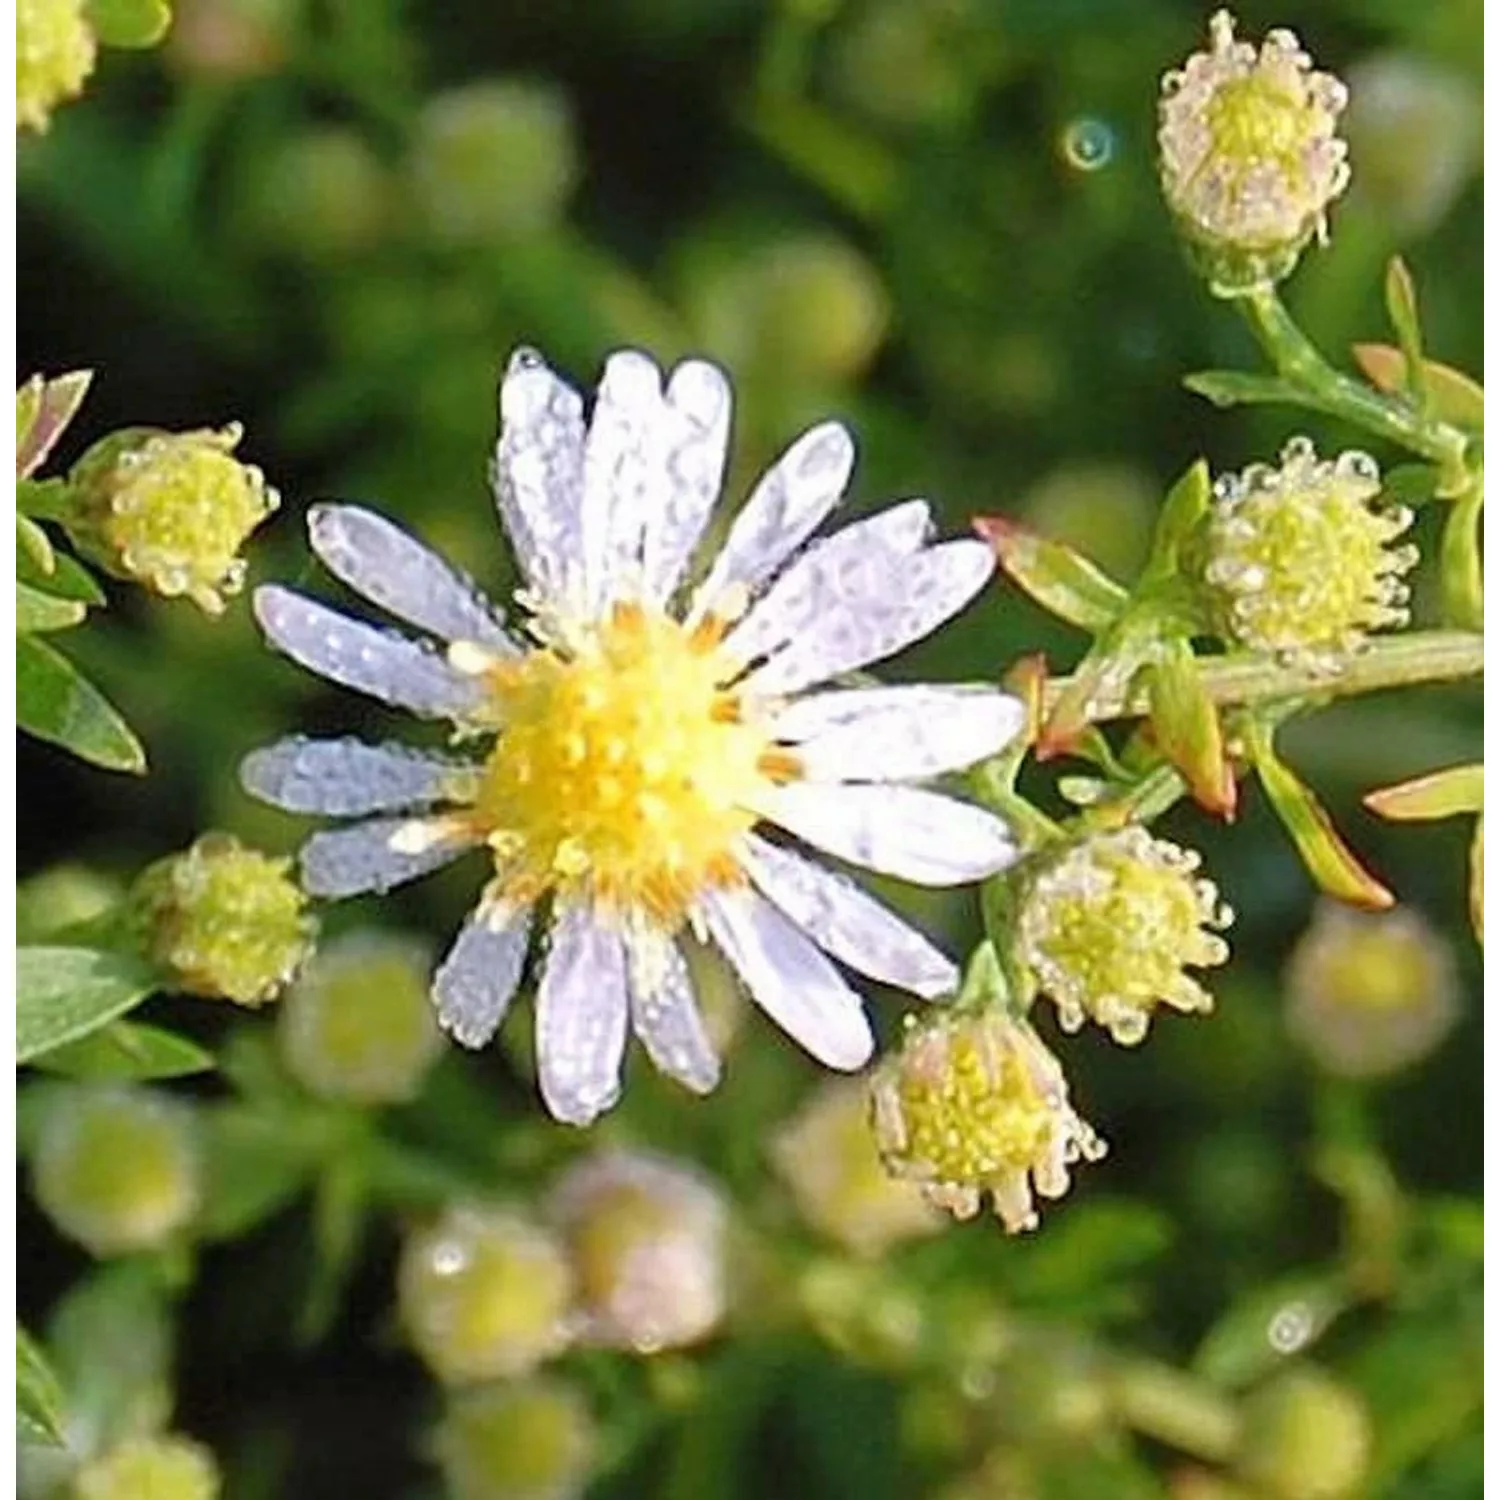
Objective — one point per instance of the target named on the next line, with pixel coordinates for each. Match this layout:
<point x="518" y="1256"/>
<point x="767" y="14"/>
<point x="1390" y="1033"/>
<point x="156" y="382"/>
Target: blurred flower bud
<point x="1249" y="159"/>
<point x="54" y="56"/>
<point x="229" y="39"/>
<point x="973" y="1102"/>
<point x="322" y="195"/>
<point x="1108" y="927"/>
<point x="164" y="1467"/>
<point x="117" y="1168"/>
<point x="530" y="1440"/>
<point x="826" y="1155"/>
<point x="357" y="1023"/>
<point x="865" y="1313"/>
<point x="1295" y="560"/>
<point x="1369" y="993"/>
<point x="223" y="920"/>
<point x="1414" y="128"/>
<point x="646" y="1236"/>
<point x="1306" y="1437"/>
<point x="484" y="1294"/>
<point x="170" y="510"/>
<point x="494" y="160"/>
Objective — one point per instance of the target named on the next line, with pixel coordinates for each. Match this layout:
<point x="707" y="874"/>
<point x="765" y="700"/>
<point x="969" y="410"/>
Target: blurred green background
<point x="332" y="219"/>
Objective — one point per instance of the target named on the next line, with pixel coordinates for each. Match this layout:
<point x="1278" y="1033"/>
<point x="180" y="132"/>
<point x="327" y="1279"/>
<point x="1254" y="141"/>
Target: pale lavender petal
<point x="380" y="854"/>
<point x="664" y="1013"/>
<point x="347" y="778"/>
<point x="476" y="982"/>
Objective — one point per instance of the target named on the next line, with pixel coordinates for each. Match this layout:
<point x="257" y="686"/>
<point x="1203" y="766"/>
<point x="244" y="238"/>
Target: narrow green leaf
<point x="1268" y="1326"/>
<point x="1461" y="566"/>
<point x="54" y="702"/>
<point x="43" y="410"/>
<point x="39" y="611"/>
<point x="39" y="1395"/>
<point x="1187" y="728"/>
<point x="1236" y="388"/>
<point x="66" y="577"/>
<point x="1058" y="578"/>
<point x="1186" y="504"/>
<point x="129" y="23"/>
<point x="126" y="1051"/>
<point x="1452" y="396"/>
<point x="1439" y="794"/>
<point x="65" y="993"/>
<point x="1401" y="308"/>
<point x="33" y="545"/>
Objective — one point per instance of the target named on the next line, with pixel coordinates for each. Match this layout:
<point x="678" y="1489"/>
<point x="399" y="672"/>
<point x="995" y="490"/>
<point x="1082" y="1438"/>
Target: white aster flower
<point x="640" y="738"/>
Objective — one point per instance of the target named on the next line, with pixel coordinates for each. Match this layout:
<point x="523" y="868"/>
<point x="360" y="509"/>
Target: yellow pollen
<point x="624" y="769"/>
<point x="1255" y="119"/>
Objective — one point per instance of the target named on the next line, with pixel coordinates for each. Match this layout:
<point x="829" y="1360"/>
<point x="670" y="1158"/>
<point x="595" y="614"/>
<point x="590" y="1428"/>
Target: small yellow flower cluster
<point x="525" y="1440"/>
<point x="55" y="51"/>
<point x="163" y="1467"/>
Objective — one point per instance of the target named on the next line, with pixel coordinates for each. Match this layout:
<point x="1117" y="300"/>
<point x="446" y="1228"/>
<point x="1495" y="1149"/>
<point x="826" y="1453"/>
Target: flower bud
<point x="646" y="1237"/>
<point x="322" y="195"/>
<point x="1306" y="1437"/>
<point x="826" y="1155"/>
<point x="164" y="1467"/>
<point x="1109" y="925"/>
<point x="229" y="39"/>
<point x="494" y="160"/>
<point x="531" y="1440"/>
<point x="1248" y="156"/>
<point x="224" y="920"/>
<point x="170" y="510"/>
<point x="357" y="1023"/>
<point x="1295" y="561"/>
<point x="1369" y="993"/>
<point x="117" y="1168"/>
<point x="484" y="1294"/>
<point x="54" y="56"/>
<point x="973" y="1103"/>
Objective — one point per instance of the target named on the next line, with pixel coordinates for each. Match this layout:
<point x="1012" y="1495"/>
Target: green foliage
<point x="63" y="994"/>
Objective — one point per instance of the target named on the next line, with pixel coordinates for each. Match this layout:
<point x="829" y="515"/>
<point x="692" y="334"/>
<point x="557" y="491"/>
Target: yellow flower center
<point x="623" y="767"/>
<point x="1256" y="120"/>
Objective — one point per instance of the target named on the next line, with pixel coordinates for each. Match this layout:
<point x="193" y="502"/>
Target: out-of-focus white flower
<point x="640" y="738"/>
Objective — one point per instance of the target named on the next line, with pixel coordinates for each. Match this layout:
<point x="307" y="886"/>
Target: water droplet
<point x="1087" y="144"/>
<point x="1291" y="1328"/>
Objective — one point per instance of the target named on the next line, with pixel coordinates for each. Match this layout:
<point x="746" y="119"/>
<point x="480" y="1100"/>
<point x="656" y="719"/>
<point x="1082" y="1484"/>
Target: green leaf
<point x="38" y="611"/>
<point x="1268" y="1326"/>
<point x="1058" y="578"/>
<point x="34" y="546"/>
<point x="1401" y="308"/>
<point x="1186" y="504"/>
<point x="127" y="1051"/>
<point x="44" y="499"/>
<point x="39" y="1395"/>
<point x="129" y="23"/>
<point x="1187" y="728"/>
<point x="43" y="410"/>
<point x="1236" y="388"/>
<point x="1452" y="396"/>
<point x="65" y="993"/>
<point x="1439" y="794"/>
<point x="66" y="577"/>
<point x="1411" y="484"/>
<point x="54" y="702"/>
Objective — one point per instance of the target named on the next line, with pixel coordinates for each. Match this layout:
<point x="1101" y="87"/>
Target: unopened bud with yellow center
<point x="529" y="1440"/>
<point x="117" y="1169"/>
<point x="484" y="1294"/>
<point x="55" y="51"/>
<point x="164" y="1467"/>
<point x="357" y="1024"/>
<point x="223" y="920"/>
<point x="170" y="510"/>
<point x="974" y="1103"/>
<point x="1306" y="1436"/>
<point x="826" y="1155"/>
<point x="647" y="1238"/>
<point x="1249" y="157"/>
<point x="1109" y="926"/>
<point x="1296" y="560"/>
<point x="1370" y="992"/>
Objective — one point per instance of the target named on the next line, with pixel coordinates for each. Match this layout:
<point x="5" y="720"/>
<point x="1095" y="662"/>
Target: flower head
<point x="162" y="1467"/>
<point x="170" y="510"/>
<point x="523" y="1440"/>
<point x="1249" y="158"/>
<point x="1370" y="992"/>
<point x="1296" y="561"/>
<point x="648" y="731"/>
<point x="224" y="920"/>
<point x="1109" y="926"/>
<point x="54" y="56"/>
<point x="1307" y="1436"/>
<point x="974" y="1103"/>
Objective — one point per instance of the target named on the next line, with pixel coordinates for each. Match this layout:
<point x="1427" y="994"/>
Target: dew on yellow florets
<point x="523" y="1440"/>
<point x="117" y="1169"/>
<point x="55" y="52"/>
<point x="1249" y="157"/>
<point x="1296" y="560"/>
<point x="1108" y="928"/>
<point x="224" y="920"/>
<point x="974" y="1103"/>
<point x="163" y="1467"/>
<point x="170" y="510"/>
<point x="484" y="1294"/>
<point x="1370" y="992"/>
<point x="624" y="767"/>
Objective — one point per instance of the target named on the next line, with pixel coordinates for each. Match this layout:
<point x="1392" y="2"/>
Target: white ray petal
<point x="582" y="1008"/>
<point x="380" y="854"/>
<point x="847" y="922"/>
<point x="380" y="663"/>
<point x="664" y="1012"/>
<point x="391" y="568"/>
<point x="538" y="473"/>
<point x="347" y="778"/>
<point x="789" y="978"/>
<point x="897" y="733"/>
<point x="791" y="501"/>
<point x="904" y="831"/>
<point x="476" y="982"/>
<point x="913" y="599"/>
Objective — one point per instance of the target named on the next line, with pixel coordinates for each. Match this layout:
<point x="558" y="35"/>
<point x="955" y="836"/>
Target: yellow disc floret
<point x="623" y="767"/>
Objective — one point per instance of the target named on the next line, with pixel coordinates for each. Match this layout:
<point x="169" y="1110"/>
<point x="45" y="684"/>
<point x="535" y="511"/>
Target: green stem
<point x="1177" y="1409"/>
<point x="1461" y="569"/>
<point x="1298" y="361"/>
